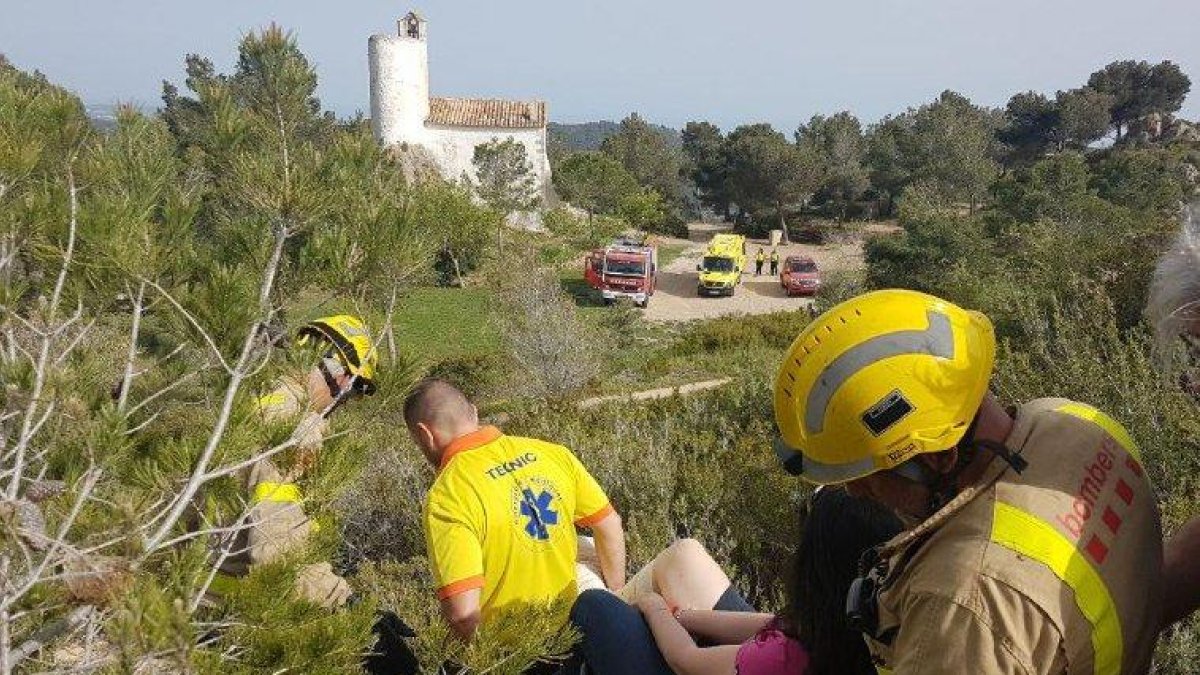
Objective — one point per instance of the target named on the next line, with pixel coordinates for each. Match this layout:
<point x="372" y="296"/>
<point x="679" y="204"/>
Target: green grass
<point x="668" y="253"/>
<point x="438" y="322"/>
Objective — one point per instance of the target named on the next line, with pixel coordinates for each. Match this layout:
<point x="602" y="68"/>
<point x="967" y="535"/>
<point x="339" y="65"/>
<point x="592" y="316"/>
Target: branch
<point x="173" y="385"/>
<point x="89" y="483"/>
<point x="200" y="472"/>
<point x="190" y="319"/>
<point x="43" y="360"/>
<point x="50" y="633"/>
<point x="131" y="354"/>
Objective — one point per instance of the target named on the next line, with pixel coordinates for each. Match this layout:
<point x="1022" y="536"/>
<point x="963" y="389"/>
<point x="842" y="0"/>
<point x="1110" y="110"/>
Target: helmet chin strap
<point x="331" y="369"/>
<point x="944" y="486"/>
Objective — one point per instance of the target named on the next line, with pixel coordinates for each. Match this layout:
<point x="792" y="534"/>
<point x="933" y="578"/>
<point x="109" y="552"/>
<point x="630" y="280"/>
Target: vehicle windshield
<point x="625" y="268"/>
<point x="803" y="266"/>
<point x="715" y="264"/>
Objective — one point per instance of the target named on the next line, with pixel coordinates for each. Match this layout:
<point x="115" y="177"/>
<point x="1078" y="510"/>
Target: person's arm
<point x="678" y="648"/>
<point x="462" y="613"/>
<point x="1181" y="572"/>
<point x="938" y="636"/>
<point x="723" y="628"/>
<point x="610" y="549"/>
<point x="456" y="560"/>
<point x="594" y="510"/>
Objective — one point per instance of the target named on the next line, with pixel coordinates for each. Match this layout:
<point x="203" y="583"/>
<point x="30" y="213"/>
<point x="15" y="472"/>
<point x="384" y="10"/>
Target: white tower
<point x="400" y="82"/>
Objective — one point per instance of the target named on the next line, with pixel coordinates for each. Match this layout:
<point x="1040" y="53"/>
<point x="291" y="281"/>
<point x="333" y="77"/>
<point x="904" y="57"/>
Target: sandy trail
<point x="652" y="394"/>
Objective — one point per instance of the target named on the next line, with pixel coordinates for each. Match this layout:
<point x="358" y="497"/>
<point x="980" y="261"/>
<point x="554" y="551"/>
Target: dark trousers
<point x="774" y="267"/>
<point x="617" y="640"/>
<point x="757" y="267"/>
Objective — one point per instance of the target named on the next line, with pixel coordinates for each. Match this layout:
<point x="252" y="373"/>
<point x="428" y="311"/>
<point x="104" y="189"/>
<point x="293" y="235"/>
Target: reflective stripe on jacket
<point x="1055" y="570"/>
<point x="276" y="523"/>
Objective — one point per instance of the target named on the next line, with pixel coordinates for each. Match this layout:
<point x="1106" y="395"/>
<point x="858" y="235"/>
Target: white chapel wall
<point x="454" y="149"/>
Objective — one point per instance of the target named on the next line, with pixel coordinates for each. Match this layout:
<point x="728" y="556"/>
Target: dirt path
<point x="651" y="394"/>
<point x="676" y="299"/>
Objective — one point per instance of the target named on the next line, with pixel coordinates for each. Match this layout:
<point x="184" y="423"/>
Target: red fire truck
<point x="623" y="269"/>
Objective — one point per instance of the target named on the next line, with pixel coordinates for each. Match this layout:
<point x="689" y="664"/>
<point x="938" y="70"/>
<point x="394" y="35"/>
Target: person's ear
<point x="424" y="437"/>
<point x="941" y="463"/>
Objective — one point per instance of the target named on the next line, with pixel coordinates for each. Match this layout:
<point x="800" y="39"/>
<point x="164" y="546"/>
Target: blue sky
<point x="673" y="61"/>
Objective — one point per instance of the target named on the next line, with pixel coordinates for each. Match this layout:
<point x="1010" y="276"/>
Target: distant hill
<point x="589" y="135"/>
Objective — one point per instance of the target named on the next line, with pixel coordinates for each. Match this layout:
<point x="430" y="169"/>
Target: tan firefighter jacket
<point x="276" y="523"/>
<point x="1054" y="570"/>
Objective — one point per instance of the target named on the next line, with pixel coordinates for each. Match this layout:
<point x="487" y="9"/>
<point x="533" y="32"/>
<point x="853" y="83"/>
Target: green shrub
<point x="1076" y="351"/>
<point x="479" y="374"/>
<point x="775" y="330"/>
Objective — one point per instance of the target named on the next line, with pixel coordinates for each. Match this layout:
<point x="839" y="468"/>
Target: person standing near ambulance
<point x="1033" y="541"/>
<point x="500" y="517"/>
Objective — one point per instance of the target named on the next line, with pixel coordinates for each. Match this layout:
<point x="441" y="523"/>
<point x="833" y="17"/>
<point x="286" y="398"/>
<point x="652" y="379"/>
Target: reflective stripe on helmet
<point x="798" y="464"/>
<point x="1026" y="534"/>
<point x="936" y="340"/>
<point x="1109" y="425"/>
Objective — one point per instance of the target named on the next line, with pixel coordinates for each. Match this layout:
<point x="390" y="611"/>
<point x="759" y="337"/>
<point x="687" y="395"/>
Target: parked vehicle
<point x="721" y="269"/>
<point x="800" y="276"/>
<point x="623" y="269"/>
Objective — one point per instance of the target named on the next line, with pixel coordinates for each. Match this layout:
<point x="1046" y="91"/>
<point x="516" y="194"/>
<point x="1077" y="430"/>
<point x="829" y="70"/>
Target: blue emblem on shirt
<point x="537" y="510"/>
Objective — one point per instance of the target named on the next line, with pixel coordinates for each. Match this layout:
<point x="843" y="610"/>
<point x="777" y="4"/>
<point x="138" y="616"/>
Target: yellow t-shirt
<point x="501" y="517"/>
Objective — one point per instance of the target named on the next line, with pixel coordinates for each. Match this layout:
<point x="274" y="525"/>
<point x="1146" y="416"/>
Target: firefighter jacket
<point x="1053" y="570"/>
<point x="276" y="523"/>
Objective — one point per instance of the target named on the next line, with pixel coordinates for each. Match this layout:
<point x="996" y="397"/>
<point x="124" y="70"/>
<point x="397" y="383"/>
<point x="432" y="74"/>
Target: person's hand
<point x="652" y="602"/>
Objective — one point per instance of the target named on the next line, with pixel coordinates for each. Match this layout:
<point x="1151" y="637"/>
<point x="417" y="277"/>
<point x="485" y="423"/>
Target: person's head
<point x="345" y="359"/>
<point x="880" y="392"/>
<point x="836" y="530"/>
<point x="436" y="413"/>
<point x="1174" y="304"/>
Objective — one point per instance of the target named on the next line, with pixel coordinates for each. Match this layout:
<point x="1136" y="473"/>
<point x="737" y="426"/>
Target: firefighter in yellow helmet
<point x="1033" y="541"/>
<point x="276" y="523"/>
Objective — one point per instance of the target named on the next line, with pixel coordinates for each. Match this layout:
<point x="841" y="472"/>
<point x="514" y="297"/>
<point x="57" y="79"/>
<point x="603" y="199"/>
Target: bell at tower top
<point x="412" y="26"/>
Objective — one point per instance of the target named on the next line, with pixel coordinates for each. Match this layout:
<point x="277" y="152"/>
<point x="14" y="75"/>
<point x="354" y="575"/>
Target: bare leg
<point x="684" y="573"/>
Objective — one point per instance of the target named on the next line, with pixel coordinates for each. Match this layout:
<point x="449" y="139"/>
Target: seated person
<point x="812" y="636"/>
<point x="501" y="515"/>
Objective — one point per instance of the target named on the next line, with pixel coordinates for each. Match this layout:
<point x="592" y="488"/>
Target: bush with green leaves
<point x="147" y="278"/>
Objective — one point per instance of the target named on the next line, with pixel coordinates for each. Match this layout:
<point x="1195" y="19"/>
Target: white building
<point x="402" y="112"/>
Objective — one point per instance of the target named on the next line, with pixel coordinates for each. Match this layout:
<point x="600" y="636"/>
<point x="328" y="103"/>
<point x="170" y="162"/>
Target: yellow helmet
<point x="348" y="337"/>
<point x="877" y="380"/>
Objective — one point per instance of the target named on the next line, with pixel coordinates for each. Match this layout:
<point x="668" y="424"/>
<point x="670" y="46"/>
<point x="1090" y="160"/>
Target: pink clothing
<point x="771" y="653"/>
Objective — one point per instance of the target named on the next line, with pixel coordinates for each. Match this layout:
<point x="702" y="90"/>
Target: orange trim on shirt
<point x="451" y="590"/>
<point x="481" y="436"/>
<point x="588" y="521"/>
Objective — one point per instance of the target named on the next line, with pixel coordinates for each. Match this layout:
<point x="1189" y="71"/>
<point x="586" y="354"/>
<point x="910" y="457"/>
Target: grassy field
<point x="442" y="322"/>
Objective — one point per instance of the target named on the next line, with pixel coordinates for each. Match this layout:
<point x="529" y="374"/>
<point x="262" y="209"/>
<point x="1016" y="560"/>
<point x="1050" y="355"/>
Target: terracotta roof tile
<point x="485" y="112"/>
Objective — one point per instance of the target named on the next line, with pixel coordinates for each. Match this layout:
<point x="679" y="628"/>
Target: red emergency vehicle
<point x="623" y="269"/>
